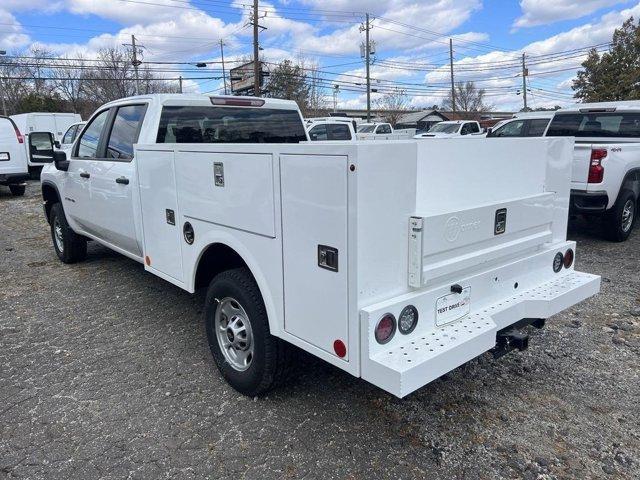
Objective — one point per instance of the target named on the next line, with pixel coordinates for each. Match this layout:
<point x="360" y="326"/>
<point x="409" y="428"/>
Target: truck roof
<point x="177" y="99"/>
<point x="627" y="105"/>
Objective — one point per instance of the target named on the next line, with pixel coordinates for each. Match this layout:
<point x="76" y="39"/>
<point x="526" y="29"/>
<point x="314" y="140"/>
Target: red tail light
<point x="19" y="136"/>
<point x="596" y="170"/>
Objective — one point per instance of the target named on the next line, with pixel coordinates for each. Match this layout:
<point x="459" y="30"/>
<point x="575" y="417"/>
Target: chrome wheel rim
<point x="57" y="234"/>
<point x="234" y="334"/>
<point x="627" y="215"/>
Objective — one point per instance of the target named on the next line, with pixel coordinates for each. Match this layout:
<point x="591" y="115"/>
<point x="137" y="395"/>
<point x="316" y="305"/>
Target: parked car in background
<point x="324" y="130"/>
<point x="383" y="131"/>
<point x="530" y="124"/>
<point x="606" y="161"/>
<point x="14" y="170"/>
<point x="70" y="136"/>
<point x="55" y="123"/>
<point x="452" y="128"/>
<point x="303" y="242"/>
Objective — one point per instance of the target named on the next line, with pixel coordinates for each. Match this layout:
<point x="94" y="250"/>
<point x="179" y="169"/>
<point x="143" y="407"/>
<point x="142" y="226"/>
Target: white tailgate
<point x="314" y="212"/>
<point x="581" y="163"/>
<point x="17" y="160"/>
<point x="162" y="240"/>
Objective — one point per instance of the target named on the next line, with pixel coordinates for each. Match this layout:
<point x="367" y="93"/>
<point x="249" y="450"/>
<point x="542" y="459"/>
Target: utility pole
<point x="180" y="83"/>
<point x="256" y="51"/>
<point x="453" y="85"/>
<point x="367" y="59"/>
<point x="135" y="63"/>
<point x="525" y="73"/>
<point x="224" y="75"/>
<point x="336" y="89"/>
<point x="4" y="105"/>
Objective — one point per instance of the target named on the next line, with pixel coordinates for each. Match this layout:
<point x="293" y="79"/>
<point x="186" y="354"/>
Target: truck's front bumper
<point x="411" y="361"/>
<point x="13" y="178"/>
<point x="582" y="201"/>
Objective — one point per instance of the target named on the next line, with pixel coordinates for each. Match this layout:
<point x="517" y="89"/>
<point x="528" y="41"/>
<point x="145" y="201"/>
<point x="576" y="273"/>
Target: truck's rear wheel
<point x="17" y="190"/>
<point x="69" y="246"/>
<point x="620" y="220"/>
<point x="250" y="359"/>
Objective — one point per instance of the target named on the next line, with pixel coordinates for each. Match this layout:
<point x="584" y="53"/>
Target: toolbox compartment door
<point x="314" y="214"/>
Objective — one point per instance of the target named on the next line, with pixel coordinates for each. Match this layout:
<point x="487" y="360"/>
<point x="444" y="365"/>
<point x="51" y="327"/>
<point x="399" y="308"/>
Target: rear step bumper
<point x="416" y="360"/>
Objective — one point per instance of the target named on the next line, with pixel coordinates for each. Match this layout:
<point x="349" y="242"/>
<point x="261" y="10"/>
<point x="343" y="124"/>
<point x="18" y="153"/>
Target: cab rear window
<point x="195" y="124"/>
<point x="589" y="124"/>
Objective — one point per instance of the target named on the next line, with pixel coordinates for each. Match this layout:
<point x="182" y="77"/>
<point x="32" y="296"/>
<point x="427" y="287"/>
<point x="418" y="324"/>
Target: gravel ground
<point x="105" y="373"/>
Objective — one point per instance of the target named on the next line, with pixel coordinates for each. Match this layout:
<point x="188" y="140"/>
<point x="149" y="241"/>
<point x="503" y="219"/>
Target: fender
<point x="272" y="299"/>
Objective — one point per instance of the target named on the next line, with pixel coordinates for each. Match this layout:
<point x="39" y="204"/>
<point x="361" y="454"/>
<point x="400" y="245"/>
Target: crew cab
<point x="452" y="128"/>
<point x="394" y="271"/>
<point x="606" y="163"/>
<point x="13" y="159"/>
<point x="529" y="124"/>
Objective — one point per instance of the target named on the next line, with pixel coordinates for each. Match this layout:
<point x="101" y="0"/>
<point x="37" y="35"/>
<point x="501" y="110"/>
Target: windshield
<point x="444" y="128"/>
<point x="366" y="128"/>
<point x="603" y="125"/>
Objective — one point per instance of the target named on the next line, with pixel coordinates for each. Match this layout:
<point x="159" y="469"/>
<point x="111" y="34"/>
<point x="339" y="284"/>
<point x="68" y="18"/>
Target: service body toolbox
<point x="395" y="261"/>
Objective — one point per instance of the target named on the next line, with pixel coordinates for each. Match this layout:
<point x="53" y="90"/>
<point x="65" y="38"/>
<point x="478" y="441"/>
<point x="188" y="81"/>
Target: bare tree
<point x="70" y="81"/>
<point x="392" y="105"/>
<point x="468" y="99"/>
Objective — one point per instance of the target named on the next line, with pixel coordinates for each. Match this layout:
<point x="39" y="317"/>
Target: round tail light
<point x="385" y="328"/>
<point x="568" y="258"/>
<point x="408" y="319"/>
<point x="558" y="261"/>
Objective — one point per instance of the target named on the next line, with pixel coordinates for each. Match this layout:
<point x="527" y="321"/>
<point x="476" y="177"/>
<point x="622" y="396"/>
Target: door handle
<point x="85" y="174"/>
<point x="122" y="180"/>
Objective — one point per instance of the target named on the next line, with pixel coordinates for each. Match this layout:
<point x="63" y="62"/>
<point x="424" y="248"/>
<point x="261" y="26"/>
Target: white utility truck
<point x="54" y="123"/>
<point x="606" y="164"/>
<point x="370" y="255"/>
<point x="13" y="157"/>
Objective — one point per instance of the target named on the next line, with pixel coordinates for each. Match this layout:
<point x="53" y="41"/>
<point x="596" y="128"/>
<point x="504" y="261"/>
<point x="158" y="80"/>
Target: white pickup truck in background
<point x="324" y="130"/>
<point x="383" y="131"/>
<point x="369" y="255"/>
<point x="606" y="165"/>
<point x="452" y="128"/>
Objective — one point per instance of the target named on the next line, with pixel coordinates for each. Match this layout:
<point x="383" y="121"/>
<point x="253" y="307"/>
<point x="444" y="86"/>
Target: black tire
<point x="616" y="223"/>
<point x="73" y="247"/>
<point x="270" y="361"/>
<point x="17" y="190"/>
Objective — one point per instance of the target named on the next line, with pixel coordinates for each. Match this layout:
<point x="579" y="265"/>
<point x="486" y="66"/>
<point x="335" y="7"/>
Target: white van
<point x="13" y="157"/>
<point x="55" y="123"/>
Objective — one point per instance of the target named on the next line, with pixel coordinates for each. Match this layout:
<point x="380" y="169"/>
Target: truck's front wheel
<point x="620" y="220"/>
<point x="250" y="359"/>
<point x="69" y="246"/>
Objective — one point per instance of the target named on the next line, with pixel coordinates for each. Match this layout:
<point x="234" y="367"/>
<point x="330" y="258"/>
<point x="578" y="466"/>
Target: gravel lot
<point x="105" y="373"/>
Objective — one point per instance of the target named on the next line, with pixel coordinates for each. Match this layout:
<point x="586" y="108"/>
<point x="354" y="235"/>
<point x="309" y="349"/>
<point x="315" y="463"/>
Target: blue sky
<point x="411" y="36"/>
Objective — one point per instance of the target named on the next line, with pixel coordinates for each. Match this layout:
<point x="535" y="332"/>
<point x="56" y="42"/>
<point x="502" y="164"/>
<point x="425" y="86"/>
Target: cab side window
<point x="338" y="132"/>
<point x="466" y="129"/>
<point x="384" y="129"/>
<point x="125" y="130"/>
<point x="474" y="128"/>
<point x="511" y="129"/>
<point x="70" y="134"/>
<point x="90" y="139"/>
<point x="537" y="127"/>
<point x="319" y="132"/>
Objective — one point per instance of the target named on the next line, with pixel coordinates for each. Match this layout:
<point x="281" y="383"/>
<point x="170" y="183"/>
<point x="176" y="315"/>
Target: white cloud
<point x="12" y="36"/>
<point x="541" y="12"/>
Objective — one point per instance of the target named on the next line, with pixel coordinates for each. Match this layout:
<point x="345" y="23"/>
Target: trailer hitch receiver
<point x="508" y="340"/>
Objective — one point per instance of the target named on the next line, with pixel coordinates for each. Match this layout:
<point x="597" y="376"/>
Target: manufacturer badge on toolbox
<point x="453" y="306"/>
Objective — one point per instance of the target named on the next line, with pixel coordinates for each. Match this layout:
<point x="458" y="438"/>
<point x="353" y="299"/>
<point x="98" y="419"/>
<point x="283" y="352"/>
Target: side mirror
<point x="41" y="147"/>
<point x="489" y="130"/>
<point x="60" y="160"/>
<point x="56" y="144"/>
